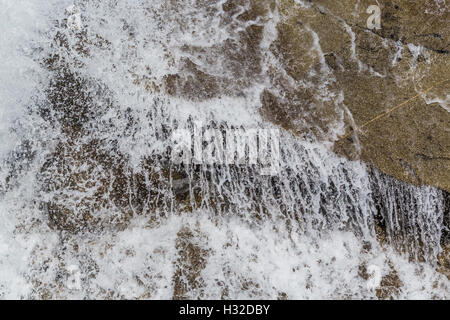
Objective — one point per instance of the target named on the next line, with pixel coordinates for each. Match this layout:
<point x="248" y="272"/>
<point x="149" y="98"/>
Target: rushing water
<point x="91" y="206"/>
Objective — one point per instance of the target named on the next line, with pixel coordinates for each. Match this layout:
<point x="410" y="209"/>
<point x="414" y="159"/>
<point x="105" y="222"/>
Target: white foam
<point x="310" y="246"/>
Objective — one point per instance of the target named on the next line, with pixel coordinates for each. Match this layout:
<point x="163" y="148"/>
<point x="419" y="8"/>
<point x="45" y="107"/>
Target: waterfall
<point x="88" y="190"/>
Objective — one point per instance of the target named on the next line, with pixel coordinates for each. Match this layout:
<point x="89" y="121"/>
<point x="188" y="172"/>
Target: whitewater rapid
<point x="308" y="233"/>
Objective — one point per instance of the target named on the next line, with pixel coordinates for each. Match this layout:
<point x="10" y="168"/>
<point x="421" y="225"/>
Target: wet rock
<point x="402" y="220"/>
<point x="192" y="259"/>
<point x="390" y="286"/>
<point x="444" y="261"/>
<point x="396" y="72"/>
<point x="238" y="58"/>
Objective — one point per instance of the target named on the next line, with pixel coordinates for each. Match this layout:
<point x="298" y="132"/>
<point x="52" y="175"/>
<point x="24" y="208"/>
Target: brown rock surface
<point x="399" y="72"/>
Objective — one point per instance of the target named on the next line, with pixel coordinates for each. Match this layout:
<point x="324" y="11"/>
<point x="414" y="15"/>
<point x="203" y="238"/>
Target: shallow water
<point x="88" y="211"/>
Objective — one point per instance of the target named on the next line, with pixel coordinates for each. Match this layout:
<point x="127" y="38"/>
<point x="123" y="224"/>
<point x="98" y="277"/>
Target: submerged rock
<point x="106" y="185"/>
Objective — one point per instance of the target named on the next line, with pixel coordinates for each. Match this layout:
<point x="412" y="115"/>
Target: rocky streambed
<point x="92" y="205"/>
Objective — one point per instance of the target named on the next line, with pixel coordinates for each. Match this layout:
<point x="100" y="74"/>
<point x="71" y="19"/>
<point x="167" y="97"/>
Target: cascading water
<point x="92" y="207"/>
